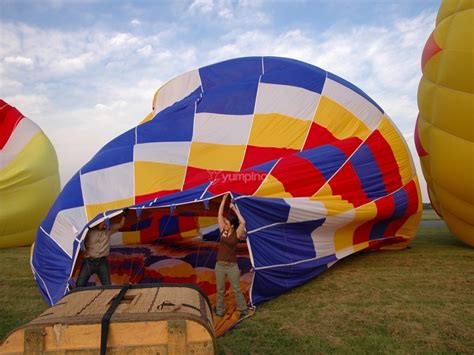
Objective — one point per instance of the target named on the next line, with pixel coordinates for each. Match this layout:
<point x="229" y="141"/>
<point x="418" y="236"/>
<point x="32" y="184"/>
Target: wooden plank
<point x="205" y="348"/>
<point x="144" y="337"/>
<point x="34" y="340"/>
<point x="196" y="332"/>
<point x="120" y="335"/>
<point x="138" y="333"/>
<point x="74" y="337"/>
<point x="14" y="342"/>
<point x="176" y="337"/>
<point x="138" y="350"/>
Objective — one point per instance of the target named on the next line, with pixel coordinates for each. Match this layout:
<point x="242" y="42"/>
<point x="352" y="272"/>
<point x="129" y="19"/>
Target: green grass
<point x="413" y="301"/>
<point x="430" y="214"/>
<point x="20" y="299"/>
<point x="419" y="300"/>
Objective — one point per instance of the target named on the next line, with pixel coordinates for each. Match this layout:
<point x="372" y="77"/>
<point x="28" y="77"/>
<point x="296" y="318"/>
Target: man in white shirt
<point x="97" y="244"/>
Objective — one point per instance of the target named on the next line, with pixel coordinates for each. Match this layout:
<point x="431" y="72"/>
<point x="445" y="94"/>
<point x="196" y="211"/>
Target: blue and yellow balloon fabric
<point x="315" y="166"/>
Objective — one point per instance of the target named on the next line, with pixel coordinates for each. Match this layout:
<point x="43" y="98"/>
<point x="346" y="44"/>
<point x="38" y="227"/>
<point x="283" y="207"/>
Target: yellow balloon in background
<point x="444" y="133"/>
<point x="29" y="177"/>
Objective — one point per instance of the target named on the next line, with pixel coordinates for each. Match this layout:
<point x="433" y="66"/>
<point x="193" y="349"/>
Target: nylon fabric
<point x="444" y="132"/>
<point x="29" y="177"/>
<point x="315" y="166"/>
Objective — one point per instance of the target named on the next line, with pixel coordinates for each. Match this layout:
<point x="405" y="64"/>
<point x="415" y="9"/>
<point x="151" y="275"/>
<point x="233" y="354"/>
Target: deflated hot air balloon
<point x="444" y="133"/>
<point x="315" y="166"/>
<point x="29" y="178"/>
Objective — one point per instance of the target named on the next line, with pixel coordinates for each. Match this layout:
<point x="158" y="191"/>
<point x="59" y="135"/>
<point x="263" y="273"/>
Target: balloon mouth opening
<point x="172" y="244"/>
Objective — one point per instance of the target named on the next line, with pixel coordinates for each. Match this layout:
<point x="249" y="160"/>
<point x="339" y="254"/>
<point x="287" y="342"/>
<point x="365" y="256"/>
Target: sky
<point x="86" y="70"/>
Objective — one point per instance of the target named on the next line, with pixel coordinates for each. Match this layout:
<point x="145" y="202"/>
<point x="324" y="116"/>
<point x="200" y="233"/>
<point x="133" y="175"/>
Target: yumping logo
<point x="243" y="176"/>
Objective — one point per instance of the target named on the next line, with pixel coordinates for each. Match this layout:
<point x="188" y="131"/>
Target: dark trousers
<point x="91" y="266"/>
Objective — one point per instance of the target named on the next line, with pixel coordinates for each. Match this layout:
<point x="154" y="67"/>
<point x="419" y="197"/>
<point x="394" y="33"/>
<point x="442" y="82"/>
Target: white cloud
<point x="146" y="50"/>
<point x="30" y="105"/>
<point x="115" y="105"/>
<point x="201" y="6"/>
<point x="9" y="85"/>
<point x="64" y="52"/>
<point x="232" y="13"/>
<point x="135" y="22"/>
<point x="124" y="40"/>
<point x="225" y="12"/>
<point x="19" y="60"/>
<point x="73" y="64"/>
<point x="57" y="4"/>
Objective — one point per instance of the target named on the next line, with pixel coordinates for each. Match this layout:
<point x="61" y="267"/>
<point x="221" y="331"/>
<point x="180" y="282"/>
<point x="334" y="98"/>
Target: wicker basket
<point x="133" y="319"/>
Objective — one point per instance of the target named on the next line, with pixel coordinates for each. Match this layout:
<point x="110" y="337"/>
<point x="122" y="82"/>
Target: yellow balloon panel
<point x="456" y="105"/>
<point x="454" y="79"/>
<point x="448" y="8"/>
<point x="445" y="128"/>
<point x="449" y="166"/>
<point x="463" y="230"/>
<point x="458" y="207"/>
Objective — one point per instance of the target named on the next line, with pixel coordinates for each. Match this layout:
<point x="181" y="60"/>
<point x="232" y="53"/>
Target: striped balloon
<point x="29" y="178"/>
<point x="315" y="166"/>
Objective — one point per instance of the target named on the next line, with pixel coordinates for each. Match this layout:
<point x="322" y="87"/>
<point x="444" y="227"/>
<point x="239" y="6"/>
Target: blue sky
<point x="86" y="70"/>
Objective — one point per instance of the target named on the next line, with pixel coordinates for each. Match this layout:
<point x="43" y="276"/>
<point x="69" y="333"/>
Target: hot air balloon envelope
<point x="444" y="133"/>
<point x="315" y="166"/>
<point x="29" y="177"/>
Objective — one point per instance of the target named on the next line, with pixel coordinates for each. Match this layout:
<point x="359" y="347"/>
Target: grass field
<point x="420" y="300"/>
<point x="430" y="214"/>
